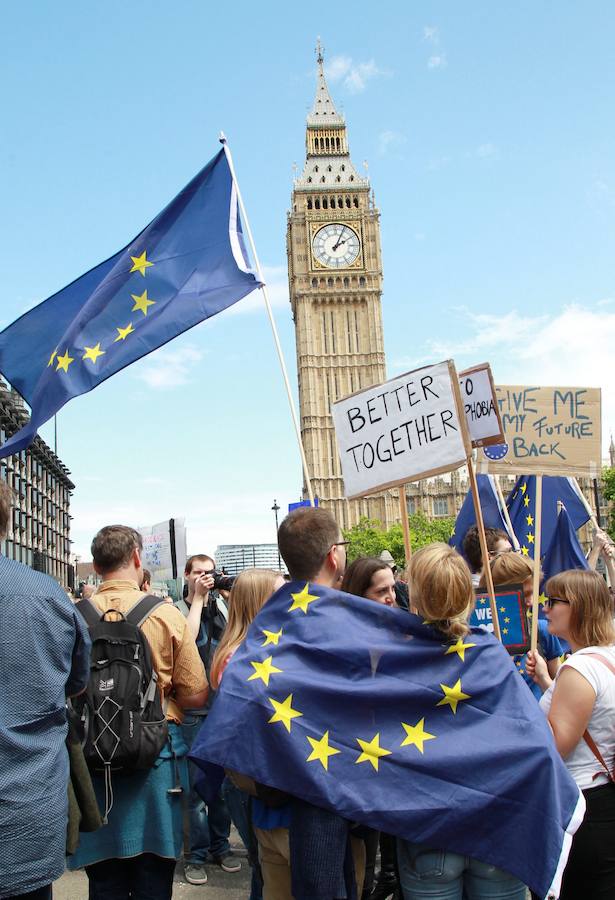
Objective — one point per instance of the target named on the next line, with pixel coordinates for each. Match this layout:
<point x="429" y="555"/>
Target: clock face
<point x="336" y="246"/>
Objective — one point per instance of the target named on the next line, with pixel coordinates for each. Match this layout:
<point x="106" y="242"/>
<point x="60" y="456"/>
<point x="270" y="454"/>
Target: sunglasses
<point x="550" y="601"/>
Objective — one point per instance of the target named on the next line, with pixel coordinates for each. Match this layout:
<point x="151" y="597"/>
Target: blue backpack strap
<point x="89" y="611"/>
<point x="139" y="611"/>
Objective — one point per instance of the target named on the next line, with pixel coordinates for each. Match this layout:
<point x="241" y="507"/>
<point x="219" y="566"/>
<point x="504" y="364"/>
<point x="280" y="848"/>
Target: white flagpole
<point x="276" y="339"/>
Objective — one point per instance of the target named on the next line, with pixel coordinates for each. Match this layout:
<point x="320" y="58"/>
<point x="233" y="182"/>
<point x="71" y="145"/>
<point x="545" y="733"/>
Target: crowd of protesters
<point x="45" y="661"/>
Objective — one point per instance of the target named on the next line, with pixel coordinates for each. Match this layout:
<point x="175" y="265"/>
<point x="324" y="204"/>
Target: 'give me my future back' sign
<point x="405" y="429"/>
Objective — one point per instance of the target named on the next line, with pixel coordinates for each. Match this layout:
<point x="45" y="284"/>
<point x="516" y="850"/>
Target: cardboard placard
<point x="402" y="430"/>
<point x="481" y="406"/>
<point x="547" y="430"/>
<point x="512" y="616"/>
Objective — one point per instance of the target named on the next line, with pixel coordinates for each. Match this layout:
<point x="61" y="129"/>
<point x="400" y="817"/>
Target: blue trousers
<point x="210" y="826"/>
<point x="143" y="877"/>
<point x="427" y="874"/>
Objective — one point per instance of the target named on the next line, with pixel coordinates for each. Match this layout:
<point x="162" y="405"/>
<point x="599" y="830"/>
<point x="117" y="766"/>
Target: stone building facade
<point x="39" y="533"/>
<point x="335" y="282"/>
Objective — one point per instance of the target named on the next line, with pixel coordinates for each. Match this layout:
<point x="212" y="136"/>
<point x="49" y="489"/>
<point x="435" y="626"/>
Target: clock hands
<point x="339" y="244"/>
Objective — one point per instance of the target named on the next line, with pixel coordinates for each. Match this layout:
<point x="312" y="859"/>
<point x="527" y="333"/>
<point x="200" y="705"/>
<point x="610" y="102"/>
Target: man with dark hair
<point x="146" y="584"/>
<point x="135" y="853"/>
<point x="44" y="657"/>
<point x="209" y="825"/>
<point x="311" y="545"/>
<point x="497" y="542"/>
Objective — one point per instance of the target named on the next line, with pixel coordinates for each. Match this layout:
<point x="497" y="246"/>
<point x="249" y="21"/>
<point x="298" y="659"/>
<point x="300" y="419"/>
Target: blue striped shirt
<point x="44" y="656"/>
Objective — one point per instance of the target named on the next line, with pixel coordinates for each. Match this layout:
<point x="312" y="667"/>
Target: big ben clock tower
<point x="335" y="281"/>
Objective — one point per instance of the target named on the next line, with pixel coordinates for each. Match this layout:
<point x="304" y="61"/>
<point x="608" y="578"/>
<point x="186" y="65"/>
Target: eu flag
<point x="521" y="503"/>
<point x="490" y="506"/>
<point x="185" y="266"/>
<point x="564" y="552"/>
<point x="369" y="712"/>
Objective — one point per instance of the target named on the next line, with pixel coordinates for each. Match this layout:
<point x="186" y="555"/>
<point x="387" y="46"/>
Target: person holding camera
<point x="206" y="617"/>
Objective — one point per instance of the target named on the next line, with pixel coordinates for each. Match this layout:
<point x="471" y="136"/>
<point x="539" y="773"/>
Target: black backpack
<point x="124" y="725"/>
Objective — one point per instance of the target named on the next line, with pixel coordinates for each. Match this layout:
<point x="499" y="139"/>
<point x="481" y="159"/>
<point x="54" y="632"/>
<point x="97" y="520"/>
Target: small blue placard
<point x="512" y="617"/>
<point x="292" y="506"/>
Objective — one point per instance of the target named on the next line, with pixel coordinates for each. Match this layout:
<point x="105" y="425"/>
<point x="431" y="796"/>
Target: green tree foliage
<point x="608" y="491"/>
<point x="369" y="538"/>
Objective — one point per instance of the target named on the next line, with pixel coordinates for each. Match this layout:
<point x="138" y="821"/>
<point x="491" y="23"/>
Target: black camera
<point x="222" y="582"/>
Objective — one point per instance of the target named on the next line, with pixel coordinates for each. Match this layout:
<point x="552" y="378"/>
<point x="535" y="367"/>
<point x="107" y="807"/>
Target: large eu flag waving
<point x="188" y="264"/>
<point x="368" y="711"/>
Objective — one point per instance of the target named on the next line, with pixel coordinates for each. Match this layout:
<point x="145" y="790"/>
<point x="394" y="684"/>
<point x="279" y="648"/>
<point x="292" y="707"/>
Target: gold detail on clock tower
<point x="335" y="281"/>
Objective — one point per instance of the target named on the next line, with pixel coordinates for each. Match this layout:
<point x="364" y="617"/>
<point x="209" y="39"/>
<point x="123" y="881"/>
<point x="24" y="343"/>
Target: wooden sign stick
<point x="484" y="550"/>
<point x="475" y="497"/>
<point x="536" y="579"/>
<point x="403" y="512"/>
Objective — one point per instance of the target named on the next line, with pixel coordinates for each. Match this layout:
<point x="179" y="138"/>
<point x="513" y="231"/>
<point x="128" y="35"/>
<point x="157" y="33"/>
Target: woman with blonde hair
<point x="441" y="591"/>
<point x="251" y="590"/>
<point x="511" y="568"/>
<point x="580" y="707"/>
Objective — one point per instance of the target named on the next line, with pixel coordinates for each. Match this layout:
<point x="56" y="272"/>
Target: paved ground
<point x="220" y="886"/>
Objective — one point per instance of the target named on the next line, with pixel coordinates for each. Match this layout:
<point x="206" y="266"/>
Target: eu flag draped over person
<point x="188" y="264"/>
<point x="369" y="712"/>
<point x="521" y="503"/>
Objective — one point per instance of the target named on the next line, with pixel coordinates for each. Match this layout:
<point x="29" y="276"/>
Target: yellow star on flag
<point x="122" y="333"/>
<point x="526" y="501"/>
<point x="525" y="551"/>
<point x="321" y="750"/>
<point x="271" y="637"/>
<point x="530" y="538"/>
<point x="284" y="712"/>
<point x="523" y="488"/>
<point x="371" y="751"/>
<point x="502" y="609"/>
<point x="452" y="695"/>
<point x="507" y="620"/>
<point x="264" y="670"/>
<point x="416" y="734"/>
<point x="142" y="302"/>
<point x="93" y="353"/>
<point x="529" y="519"/>
<point x="141" y="263"/>
<point x="52" y="357"/>
<point x="504" y="630"/>
<point x="542" y="599"/>
<point x="303" y="599"/>
<point x="63" y="362"/>
<point x="459" y="648"/>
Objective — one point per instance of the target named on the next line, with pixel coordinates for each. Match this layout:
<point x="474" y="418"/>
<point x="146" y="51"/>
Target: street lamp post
<point x="275" y="509"/>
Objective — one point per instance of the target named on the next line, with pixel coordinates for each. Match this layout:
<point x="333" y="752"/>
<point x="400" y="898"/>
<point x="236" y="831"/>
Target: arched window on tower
<point x="325" y="203"/>
<point x="314" y="282"/>
<point x="316" y="168"/>
<point x="322" y="179"/>
<point x="361" y="281"/>
<point x="328" y="168"/>
<point x="355" y="202"/>
<point x="346" y="282"/>
<point x="316" y="203"/>
<point x="348" y="202"/>
<point x="309" y="203"/>
<point x="332" y="202"/>
<point x="337" y="143"/>
<point x="309" y="179"/>
<point x="338" y="179"/>
<point x="343" y="168"/>
<point x="329" y="282"/>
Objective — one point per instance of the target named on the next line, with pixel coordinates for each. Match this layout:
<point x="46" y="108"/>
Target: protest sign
<point x="511" y="616"/>
<point x="480" y="406"/>
<point x="403" y="430"/>
<point x="547" y="430"/>
<point x="164" y="549"/>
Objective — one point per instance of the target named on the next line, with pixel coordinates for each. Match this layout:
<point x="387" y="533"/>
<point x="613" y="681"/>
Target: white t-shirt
<point x="581" y="763"/>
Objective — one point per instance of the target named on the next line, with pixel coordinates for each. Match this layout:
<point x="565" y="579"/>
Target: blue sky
<point x="489" y="134"/>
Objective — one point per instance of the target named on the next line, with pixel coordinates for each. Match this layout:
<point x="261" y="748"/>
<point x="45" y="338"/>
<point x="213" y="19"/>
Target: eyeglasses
<point x="341" y="543"/>
<point x="493" y="554"/>
<point x="551" y="600"/>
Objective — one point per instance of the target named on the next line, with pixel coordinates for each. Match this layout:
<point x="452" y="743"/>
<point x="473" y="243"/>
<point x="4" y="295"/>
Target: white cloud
<point x="484" y="151"/>
<point x="353" y="75"/>
<point x="169" y="368"/>
<point x="431" y="34"/>
<point x="437" y="61"/>
<point x="389" y="141"/>
<point x="276" y="279"/>
<point x="573" y="347"/>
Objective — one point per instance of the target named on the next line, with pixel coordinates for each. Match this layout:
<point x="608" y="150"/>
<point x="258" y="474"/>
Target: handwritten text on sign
<point x="480" y="405"/>
<point x="553" y="430"/>
<point x="399" y="431"/>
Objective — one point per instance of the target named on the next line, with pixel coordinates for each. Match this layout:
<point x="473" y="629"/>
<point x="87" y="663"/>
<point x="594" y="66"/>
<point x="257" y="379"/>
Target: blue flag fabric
<point x="521" y="503"/>
<point x="187" y="265"/>
<point x="490" y="506"/>
<point x="564" y="552"/>
<point x="367" y="711"/>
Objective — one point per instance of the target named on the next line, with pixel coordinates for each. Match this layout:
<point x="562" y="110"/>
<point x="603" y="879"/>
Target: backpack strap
<point x="139" y="611"/>
<point x="587" y="736"/>
<point x="89" y="611"/>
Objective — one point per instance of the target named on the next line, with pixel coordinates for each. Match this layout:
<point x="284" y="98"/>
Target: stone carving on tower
<point x="335" y="281"/>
